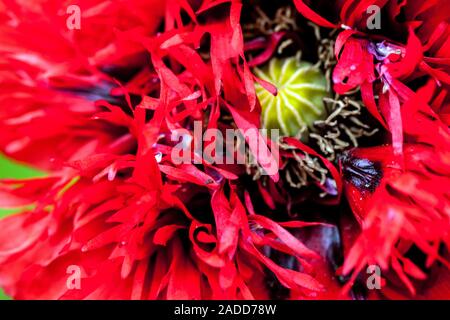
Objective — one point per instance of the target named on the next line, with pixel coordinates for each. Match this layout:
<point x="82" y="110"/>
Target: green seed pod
<point x="299" y="102"/>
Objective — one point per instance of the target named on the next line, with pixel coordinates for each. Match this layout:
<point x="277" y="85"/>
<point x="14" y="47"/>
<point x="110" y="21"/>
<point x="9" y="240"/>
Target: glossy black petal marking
<point x="362" y="173"/>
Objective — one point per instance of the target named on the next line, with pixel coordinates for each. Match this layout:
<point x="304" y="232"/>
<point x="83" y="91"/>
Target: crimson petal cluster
<point x="96" y="107"/>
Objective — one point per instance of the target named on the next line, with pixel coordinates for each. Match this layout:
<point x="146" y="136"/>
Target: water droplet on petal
<point x="123" y="243"/>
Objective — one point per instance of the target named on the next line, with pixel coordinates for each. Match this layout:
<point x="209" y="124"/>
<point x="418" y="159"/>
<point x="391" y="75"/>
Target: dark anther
<point x="362" y="173"/>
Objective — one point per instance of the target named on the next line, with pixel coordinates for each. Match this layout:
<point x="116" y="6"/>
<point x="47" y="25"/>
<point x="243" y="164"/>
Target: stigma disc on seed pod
<point x="299" y="102"/>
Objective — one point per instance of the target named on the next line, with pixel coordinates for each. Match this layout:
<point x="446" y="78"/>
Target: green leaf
<point x="3" y="296"/>
<point x="10" y="169"/>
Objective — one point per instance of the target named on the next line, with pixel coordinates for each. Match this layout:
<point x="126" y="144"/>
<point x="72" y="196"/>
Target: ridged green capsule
<point x="299" y="102"/>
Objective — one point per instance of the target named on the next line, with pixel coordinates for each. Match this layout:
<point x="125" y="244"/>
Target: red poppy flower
<point x="98" y="108"/>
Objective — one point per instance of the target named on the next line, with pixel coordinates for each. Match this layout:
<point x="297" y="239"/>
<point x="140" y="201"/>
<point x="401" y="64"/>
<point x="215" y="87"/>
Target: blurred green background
<point x="12" y="169"/>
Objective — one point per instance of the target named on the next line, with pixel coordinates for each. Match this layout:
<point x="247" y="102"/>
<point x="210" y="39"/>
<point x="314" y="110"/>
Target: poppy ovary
<point x="299" y="102"/>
